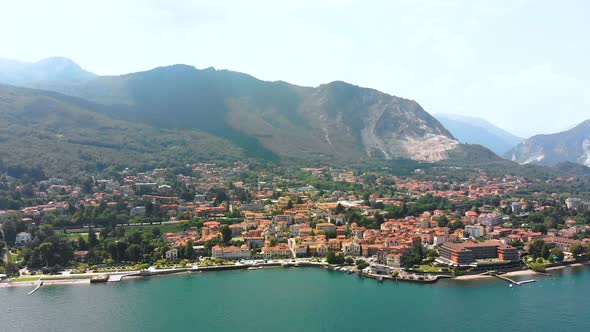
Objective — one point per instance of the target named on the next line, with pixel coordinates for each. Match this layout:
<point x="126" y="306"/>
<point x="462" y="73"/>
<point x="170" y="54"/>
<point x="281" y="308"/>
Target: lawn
<point x="427" y="269"/>
<point x="24" y="279"/>
<point x="75" y="235"/>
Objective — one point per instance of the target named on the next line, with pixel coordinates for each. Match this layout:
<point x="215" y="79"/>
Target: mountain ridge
<point x="262" y="115"/>
<point x="549" y="149"/>
<point x="473" y="130"/>
<point x="181" y="105"/>
<point x="43" y="73"/>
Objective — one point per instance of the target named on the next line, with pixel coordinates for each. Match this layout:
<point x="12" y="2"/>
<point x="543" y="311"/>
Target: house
<point x="254" y="241"/>
<point x="23" y="237"/>
<point x="338" y="219"/>
<point x="474" y="231"/>
<point x="326" y="227"/>
<point x="394" y="260"/>
<point x="137" y="211"/>
<point x="351" y="248"/>
<point x="81" y="256"/>
<point x="171" y="254"/>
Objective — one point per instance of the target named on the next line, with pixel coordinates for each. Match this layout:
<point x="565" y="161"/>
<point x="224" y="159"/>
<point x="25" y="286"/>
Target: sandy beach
<point x="509" y="274"/>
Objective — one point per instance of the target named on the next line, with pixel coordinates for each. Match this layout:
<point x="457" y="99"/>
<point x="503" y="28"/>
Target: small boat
<point x="511" y="285"/>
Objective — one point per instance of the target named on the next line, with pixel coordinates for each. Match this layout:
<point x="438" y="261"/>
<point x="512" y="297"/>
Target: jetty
<point x="512" y="282"/>
<point x="119" y="277"/>
<point x="36" y="288"/>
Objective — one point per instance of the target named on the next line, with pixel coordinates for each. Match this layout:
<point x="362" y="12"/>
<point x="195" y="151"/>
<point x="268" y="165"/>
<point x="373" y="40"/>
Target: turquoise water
<point x="298" y="299"/>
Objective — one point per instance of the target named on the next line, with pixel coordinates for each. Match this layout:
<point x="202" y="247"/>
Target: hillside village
<point x="207" y="212"/>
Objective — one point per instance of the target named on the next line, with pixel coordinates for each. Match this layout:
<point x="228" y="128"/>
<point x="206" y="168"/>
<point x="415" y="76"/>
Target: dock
<point x="512" y="282"/>
<point x="36" y="288"/>
<point x="119" y="277"/>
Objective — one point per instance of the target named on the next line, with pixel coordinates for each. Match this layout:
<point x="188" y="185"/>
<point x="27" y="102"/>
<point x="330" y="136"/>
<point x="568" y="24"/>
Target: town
<point x="415" y="227"/>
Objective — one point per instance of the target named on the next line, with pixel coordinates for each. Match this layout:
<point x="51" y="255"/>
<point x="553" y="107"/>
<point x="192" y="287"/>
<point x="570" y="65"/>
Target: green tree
<point x="550" y="222"/>
<point x="576" y="249"/>
<point x="442" y="221"/>
<point x="92" y="239"/>
<point x="535" y="248"/>
<point x="556" y="254"/>
<point x="361" y="264"/>
<point x="545" y="251"/>
<point x="226" y="233"/>
<point x="189" y="252"/>
<point x="133" y="252"/>
<point x="81" y="243"/>
<point x="46" y="249"/>
<point x="334" y="258"/>
<point x="339" y="209"/>
<point x="156" y="232"/>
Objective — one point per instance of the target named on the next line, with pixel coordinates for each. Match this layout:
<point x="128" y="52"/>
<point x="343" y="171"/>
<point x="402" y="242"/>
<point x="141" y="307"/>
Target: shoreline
<point x="167" y="272"/>
<point x="523" y="273"/>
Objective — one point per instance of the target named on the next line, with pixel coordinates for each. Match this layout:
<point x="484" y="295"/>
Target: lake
<point x="300" y="299"/>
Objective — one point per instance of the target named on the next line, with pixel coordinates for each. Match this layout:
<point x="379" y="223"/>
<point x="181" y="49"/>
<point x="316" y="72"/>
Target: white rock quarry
<point x="586" y="152"/>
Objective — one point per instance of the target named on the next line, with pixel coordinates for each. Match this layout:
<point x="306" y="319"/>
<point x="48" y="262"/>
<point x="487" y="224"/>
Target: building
<point x="22" y="238"/>
<point x="137" y="211"/>
<point x="81" y="256"/>
<point x="326" y="227"/>
<point x="393" y="260"/>
<point x="561" y="242"/>
<point x="232" y="252"/>
<point x="469" y="252"/>
<point x="516" y="207"/>
<point x="287" y="218"/>
<point x="577" y="204"/>
<point x="251" y="207"/>
<point x="338" y="219"/>
<point x="280" y="251"/>
<point x="490" y="219"/>
<point x="474" y="231"/>
<point x="171" y="254"/>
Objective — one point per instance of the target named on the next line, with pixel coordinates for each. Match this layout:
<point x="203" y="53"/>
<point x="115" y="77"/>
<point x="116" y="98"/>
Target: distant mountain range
<point x="181" y="113"/>
<point x="474" y="130"/>
<point x="569" y="146"/>
<point x="45" y="73"/>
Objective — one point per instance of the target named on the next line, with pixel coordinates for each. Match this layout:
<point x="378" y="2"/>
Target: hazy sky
<point x="520" y="64"/>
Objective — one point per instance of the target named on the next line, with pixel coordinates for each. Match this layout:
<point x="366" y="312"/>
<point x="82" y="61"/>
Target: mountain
<point x="336" y="121"/>
<point x="44" y="132"/>
<point x="474" y="130"/>
<point x="569" y="146"/>
<point x="45" y="73"/>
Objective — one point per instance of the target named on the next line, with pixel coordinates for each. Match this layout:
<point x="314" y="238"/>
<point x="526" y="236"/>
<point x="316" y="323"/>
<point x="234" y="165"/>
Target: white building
<point x="474" y="231"/>
<point x="231" y="252"/>
<point x="23" y="237"/>
<point x="172" y="254"/>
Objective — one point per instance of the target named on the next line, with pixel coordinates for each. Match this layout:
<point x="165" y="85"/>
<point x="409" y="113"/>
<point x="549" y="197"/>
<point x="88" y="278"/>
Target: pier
<point x="36" y="288"/>
<point x="512" y="282"/>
